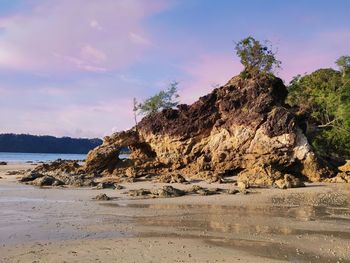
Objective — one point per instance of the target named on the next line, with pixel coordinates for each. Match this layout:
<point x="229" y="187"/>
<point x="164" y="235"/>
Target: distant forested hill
<point x="45" y="144"/>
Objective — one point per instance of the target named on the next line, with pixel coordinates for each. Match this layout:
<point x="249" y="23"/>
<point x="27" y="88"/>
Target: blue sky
<point x="72" y="67"/>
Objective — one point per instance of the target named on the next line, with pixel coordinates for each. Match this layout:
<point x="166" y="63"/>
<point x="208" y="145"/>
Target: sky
<point x="72" y="67"/>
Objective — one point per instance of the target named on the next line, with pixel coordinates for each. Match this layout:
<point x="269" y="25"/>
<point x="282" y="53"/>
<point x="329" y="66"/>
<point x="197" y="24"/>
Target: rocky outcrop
<point x="343" y="176"/>
<point x="242" y="128"/>
<point x="169" y="191"/>
<point x="57" y="173"/>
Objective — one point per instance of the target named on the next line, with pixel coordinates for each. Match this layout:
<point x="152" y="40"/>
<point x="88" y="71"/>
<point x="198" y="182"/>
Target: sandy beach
<point x="310" y="224"/>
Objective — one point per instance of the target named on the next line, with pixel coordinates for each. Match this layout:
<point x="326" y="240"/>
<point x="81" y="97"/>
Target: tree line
<point x="46" y="144"/>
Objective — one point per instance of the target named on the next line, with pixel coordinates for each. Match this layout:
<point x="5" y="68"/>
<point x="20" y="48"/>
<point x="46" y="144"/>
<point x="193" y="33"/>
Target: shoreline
<point x="267" y="225"/>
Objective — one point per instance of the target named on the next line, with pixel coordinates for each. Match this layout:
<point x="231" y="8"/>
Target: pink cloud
<point x="86" y="35"/>
<point x="207" y="72"/>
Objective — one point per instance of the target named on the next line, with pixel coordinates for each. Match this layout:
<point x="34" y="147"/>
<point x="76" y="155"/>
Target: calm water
<point x="36" y="157"/>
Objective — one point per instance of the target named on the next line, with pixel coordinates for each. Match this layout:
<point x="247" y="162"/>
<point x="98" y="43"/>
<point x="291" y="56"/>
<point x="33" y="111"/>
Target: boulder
<point x="288" y="181"/>
<point x="3" y="163"/>
<point x="47" y="181"/>
<point x="111" y="185"/>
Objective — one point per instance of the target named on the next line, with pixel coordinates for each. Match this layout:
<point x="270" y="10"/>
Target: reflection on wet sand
<point x="275" y="230"/>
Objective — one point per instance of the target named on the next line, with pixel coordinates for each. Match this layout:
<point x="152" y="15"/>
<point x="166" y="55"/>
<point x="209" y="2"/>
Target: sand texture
<point x="310" y="224"/>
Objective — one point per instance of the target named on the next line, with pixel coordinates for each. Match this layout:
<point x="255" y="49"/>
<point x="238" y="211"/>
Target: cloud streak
<point x="82" y="35"/>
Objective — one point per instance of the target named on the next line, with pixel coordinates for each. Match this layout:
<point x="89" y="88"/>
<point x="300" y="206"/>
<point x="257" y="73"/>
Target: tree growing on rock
<point x="165" y="99"/>
<point x="258" y="59"/>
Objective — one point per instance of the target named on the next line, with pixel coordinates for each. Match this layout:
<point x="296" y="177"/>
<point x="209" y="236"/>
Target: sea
<point x="38" y="157"/>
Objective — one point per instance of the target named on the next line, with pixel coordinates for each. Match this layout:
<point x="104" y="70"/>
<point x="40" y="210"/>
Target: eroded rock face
<point x="241" y="128"/>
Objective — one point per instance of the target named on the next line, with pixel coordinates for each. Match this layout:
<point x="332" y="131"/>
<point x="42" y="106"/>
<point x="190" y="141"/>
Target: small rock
<point x="203" y="191"/>
<point x="102" y="197"/>
<point x="129" y="180"/>
<point x="165" y="191"/>
<point x="231" y="191"/>
<point x="44" y="181"/>
<point x="139" y="192"/>
<point x="194" y="189"/>
<point x="214" y="179"/>
<point x="288" y="181"/>
<point x="57" y="183"/>
<point x="171" y="178"/>
<point x="168" y="191"/>
<point x="118" y="187"/>
<point x="3" y="163"/>
<point x="105" y="185"/>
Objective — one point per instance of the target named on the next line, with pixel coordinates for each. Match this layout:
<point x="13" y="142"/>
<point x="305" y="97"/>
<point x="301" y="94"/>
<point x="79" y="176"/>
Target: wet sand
<point x="309" y="224"/>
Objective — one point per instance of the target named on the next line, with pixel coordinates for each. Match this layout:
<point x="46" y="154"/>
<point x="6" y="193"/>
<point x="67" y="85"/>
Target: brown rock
<point x="343" y="176"/>
<point x="167" y="191"/>
<point x="139" y="192"/>
<point x="288" y="181"/>
<point x="171" y="178"/>
<point x="111" y="185"/>
<point x="47" y="181"/>
<point x="102" y="197"/>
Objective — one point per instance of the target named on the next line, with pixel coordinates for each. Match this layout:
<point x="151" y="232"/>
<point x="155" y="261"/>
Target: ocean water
<point x="38" y="157"/>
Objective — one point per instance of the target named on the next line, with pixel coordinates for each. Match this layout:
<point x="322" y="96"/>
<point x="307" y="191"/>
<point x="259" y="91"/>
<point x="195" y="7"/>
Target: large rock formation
<point x="241" y="128"/>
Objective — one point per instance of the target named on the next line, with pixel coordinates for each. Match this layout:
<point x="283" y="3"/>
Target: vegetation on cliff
<point x="45" y="144"/>
<point x="323" y="98"/>
<point x="165" y="99"/>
